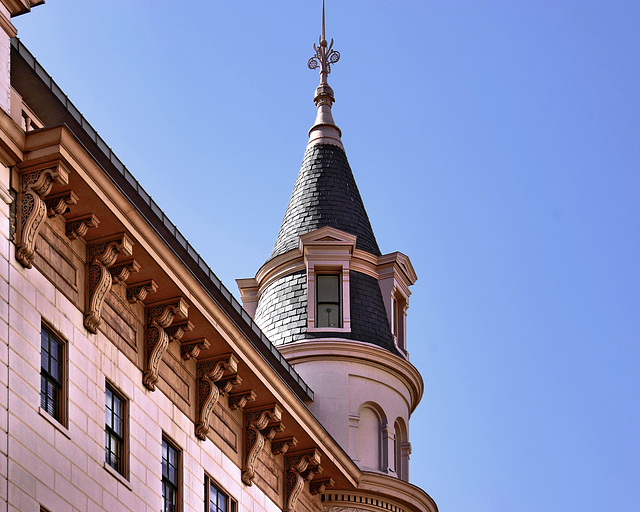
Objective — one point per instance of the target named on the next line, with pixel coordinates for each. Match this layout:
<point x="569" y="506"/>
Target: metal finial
<point x="325" y="55"/>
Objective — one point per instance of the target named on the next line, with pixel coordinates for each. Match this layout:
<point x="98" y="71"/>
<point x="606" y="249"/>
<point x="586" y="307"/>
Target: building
<point x="135" y="381"/>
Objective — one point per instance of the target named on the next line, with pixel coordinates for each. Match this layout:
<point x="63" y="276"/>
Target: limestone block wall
<point x="61" y="467"/>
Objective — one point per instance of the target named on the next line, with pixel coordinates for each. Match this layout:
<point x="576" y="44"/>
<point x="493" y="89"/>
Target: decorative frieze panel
<point x="137" y="292"/>
<point x="101" y="255"/>
<point x="160" y="316"/>
<point x="259" y="425"/>
<point x="192" y="348"/>
<point x="78" y="226"/>
<point x="299" y="468"/>
<point x="318" y="486"/>
<point x="35" y="185"/>
<point x="121" y="271"/>
<point x="210" y="375"/>
<point x="57" y="204"/>
<point x="281" y="445"/>
<point x="240" y="399"/>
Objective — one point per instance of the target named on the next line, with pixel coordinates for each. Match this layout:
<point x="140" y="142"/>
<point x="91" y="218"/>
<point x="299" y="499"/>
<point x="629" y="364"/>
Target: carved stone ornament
<point x="299" y="467"/>
<point x="78" y="226"/>
<point x="35" y="185"/>
<point x="178" y="329"/>
<point x="240" y="399"/>
<point x="59" y="203"/>
<point x="259" y="425"/>
<point x="281" y="445"/>
<point x="191" y="349"/>
<point x="210" y="373"/>
<point x="160" y="316"/>
<point x="137" y="292"/>
<point x="318" y="486"/>
<point x="121" y="271"/>
<point x="102" y="254"/>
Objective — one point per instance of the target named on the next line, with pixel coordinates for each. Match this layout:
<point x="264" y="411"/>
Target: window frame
<point x="123" y="438"/>
<point x="177" y="485"/>
<point x="61" y="386"/>
<point x="231" y="504"/>
<point x="337" y="303"/>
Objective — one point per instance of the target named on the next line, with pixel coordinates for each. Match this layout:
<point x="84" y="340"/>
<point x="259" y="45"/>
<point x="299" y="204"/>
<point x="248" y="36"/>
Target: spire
<point x="324" y="130"/>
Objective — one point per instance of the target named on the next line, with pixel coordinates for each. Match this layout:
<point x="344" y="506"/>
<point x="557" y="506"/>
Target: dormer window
<point x="398" y="320"/>
<point x="328" y="303"/>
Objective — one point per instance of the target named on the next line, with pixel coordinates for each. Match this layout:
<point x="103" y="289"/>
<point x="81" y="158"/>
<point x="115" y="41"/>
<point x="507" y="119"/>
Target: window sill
<point x="328" y="329"/>
<point x="59" y="426"/>
<point x="117" y="476"/>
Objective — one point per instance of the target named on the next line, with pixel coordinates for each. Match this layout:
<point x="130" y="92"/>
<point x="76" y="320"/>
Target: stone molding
<point x="338" y="349"/>
<point x="210" y="381"/>
<point x="259" y="425"/>
<point x="160" y="316"/>
<point x="35" y="185"/>
<point x="299" y="468"/>
<point x="101" y="255"/>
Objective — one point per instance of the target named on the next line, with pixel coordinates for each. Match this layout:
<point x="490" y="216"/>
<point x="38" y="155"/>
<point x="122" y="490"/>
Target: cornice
<point x="12" y="141"/>
<point x="343" y="349"/>
<point x="60" y="141"/>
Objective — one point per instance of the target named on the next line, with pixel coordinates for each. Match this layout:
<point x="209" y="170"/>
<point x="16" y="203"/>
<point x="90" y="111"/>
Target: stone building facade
<point x="130" y="377"/>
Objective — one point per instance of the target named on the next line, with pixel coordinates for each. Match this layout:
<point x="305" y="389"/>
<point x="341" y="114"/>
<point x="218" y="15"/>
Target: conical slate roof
<point x="325" y="194"/>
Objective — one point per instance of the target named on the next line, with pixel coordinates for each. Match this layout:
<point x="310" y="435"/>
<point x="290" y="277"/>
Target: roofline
<point x="147" y="207"/>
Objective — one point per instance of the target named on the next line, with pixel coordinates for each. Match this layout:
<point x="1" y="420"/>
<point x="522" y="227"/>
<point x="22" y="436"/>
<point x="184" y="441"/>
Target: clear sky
<point x="495" y="143"/>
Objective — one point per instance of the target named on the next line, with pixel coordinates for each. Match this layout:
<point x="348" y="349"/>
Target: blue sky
<point x="494" y="143"/>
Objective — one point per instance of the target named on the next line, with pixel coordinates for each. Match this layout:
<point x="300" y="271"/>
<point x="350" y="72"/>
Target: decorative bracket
<point x="35" y="185"/>
<point x="57" y="204"/>
<point x="102" y="254"/>
<point x="177" y="330"/>
<point x="209" y="374"/>
<point x="299" y="467"/>
<point x="137" y="292"/>
<point x="260" y="425"/>
<point x="321" y="485"/>
<point x="78" y="226"/>
<point x="191" y="349"/>
<point x="281" y="445"/>
<point x="121" y="272"/>
<point x="240" y="399"/>
<point x="160" y="316"/>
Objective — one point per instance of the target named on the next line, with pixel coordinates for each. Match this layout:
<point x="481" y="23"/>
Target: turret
<point x="335" y="305"/>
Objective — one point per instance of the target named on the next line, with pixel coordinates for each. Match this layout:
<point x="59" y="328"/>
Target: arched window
<point x="372" y="451"/>
<point x="401" y="449"/>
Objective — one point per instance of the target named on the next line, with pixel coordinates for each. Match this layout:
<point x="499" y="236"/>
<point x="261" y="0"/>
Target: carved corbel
<point x="137" y="292"/>
<point x="35" y="185"/>
<point x="78" y="226"/>
<point x="299" y="467"/>
<point x="318" y="486"/>
<point x="281" y="445"/>
<point x="192" y="348"/>
<point x="121" y="271"/>
<point x="209" y="374"/>
<point x="240" y="399"/>
<point x="102" y="254"/>
<point x="177" y="330"/>
<point x="57" y="204"/>
<point x="160" y="316"/>
<point x="260" y="425"/>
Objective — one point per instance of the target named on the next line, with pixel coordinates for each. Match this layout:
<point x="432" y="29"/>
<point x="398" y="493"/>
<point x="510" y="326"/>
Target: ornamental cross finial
<point x="325" y="55"/>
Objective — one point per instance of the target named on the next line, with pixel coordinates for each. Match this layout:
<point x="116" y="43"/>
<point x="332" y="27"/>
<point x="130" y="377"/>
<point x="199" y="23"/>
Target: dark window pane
<point x="328" y="288"/>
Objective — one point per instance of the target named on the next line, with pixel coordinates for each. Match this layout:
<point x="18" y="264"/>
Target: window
<point x="216" y="500"/>
<point x="328" y="310"/>
<point x="115" y="430"/>
<point x="170" y="477"/>
<point x="51" y="375"/>
<point x="399" y="306"/>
